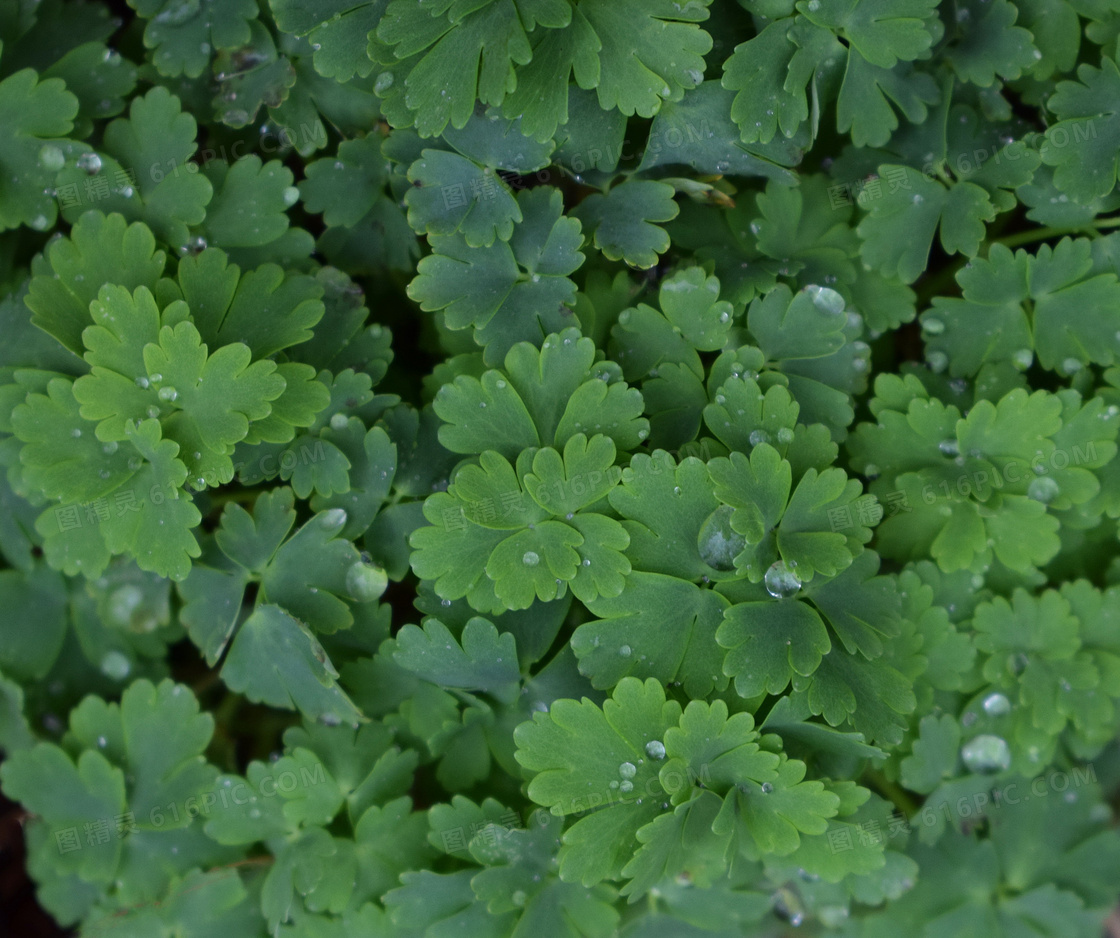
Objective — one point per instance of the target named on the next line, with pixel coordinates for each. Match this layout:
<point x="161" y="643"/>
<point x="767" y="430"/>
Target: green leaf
<point x="624" y="221"/>
<point x="274" y="659"/>
<point x="883" y="32"/>
<point x="899" y="228"/>
<point x="658" y="626"/>
<point x="183" y="33"/>
<point x="1082" y="145"/>
<point x="68" y="276"/>
<point x="36" y="114"/>
<point x="452" y="194"/>
<point x="482" y="660"/>
<point x="507" y="292"/>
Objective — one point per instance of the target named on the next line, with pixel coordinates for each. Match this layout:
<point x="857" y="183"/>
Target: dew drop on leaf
<point x="627" y="770"/>
<point x="717" y="542"/>
<point x="949" y="447"/>
<point x="826" y="300"/>
<point x="530" y="558"/>
<point x="1043" y="489"/>
<point x="333" y="518"/>
<point x="996" y="705"/>
<point x="986" y="754"/>
<point x="655" y="749"/>
<point x="759" y="436"/>
<point x="780" y="580"/>
<point x="89" y="163"/>
<point x="115" y="665"/>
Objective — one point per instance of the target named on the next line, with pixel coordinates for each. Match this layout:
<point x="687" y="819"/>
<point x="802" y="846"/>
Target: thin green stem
<point x="893" y="792"/>
<point x="1044" y="234"/>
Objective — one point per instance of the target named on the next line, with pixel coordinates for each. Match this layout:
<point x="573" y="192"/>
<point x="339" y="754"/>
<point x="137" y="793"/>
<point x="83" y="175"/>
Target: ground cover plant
<point x="561" y="467"/>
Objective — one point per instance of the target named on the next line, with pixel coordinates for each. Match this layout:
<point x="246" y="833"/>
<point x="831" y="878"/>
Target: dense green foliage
<point x="562" y="467"/>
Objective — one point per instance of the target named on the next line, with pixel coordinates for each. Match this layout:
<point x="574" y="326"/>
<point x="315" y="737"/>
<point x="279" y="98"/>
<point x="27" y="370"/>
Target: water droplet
<point x="587" y="561"/>
<point x="717" y="542"/>
<point x="766" y="788"/>
<point x="625" y="651"/>
<point x="383" y="83"/>
<point x="339" y="422"/>
<point x="781" y="582"/>
<point x="445" y="602"/>
<point x="826" y="300"/>
<point x="115" y="665"/>
<point x="89" y="163"/>
<point x="785" y="435"/>
<point x="155" y="378"/>
<point x="996" y="705"/>
<point x="153" y="411"/>
<point x="51" y="158"/>
<point x="1070" y="366"/>
<point x="168" y="393"/>
<point x="933" y="326"/>
<point x="530" y="558"/>
<point x="938" y="361"/>
<point x="1043" y="489"/>
<point x="75" y="433"/>
<point x="1022" y="359"/>
<point x="111" y="447"/>
<point x="102" y="742"/>
<point x="655" y="749"/>
<point x="759" y="436"/>
<point x="333" y="518"/>
<point x="949" y="447"/>
<point x="291" y="196"/>
<point x="986" y="754"/>
<point x="365" y="582"/>
<point x="625" y="786"/>
<point x="627" y="770"/>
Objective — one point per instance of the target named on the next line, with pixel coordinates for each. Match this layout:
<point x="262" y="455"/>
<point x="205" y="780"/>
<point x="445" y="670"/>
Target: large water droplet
<point x="781" y="582"/>
<point x="1022" y="359"/>
<point x="717" y="542"/>
<point x="530" y="558"/>
<point x="996" y="705"/>
<point x="333" y="518"/>
<point x="115" y="665"/>
<point x="949" y="447"/>
<point x="933" y="326"/>
<point x="365" y="582"/>
<point x="51" y="158"/>
<point x="1043" y="489"/>
<point x="90" y="163"/>
<point x="655" y="749"/>
<point x="625" y="651"/>
<point x="383" y="83"/>
<point x="938" y="361"/>
<point x="826" y="300"/>
<point x="625" y="786"/>
<point x="785" y="436"/>
<point x="627" y="770"/>
<point x="986" y="754"/>
<point x="168" y="393"/>
<point x="759" y="436"/>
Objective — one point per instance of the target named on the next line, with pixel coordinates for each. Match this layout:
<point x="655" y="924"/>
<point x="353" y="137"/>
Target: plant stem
<point x="1043" y="234"/>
